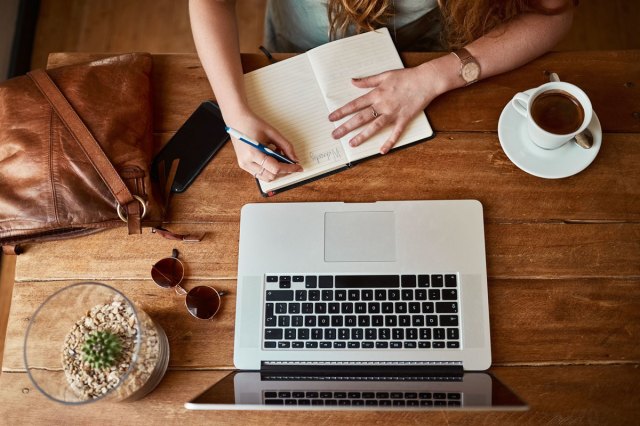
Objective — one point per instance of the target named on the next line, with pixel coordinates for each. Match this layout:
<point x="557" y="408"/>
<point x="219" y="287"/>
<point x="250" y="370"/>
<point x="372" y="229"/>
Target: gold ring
<point x="374" y="113"/>
<point x="142" y="202"/>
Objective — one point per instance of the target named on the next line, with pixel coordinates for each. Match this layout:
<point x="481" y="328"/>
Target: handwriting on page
<point x="326" y="156"/>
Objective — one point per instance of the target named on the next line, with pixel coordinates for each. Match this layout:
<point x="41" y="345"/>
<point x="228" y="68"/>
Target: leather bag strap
<point x="91" y="148"/>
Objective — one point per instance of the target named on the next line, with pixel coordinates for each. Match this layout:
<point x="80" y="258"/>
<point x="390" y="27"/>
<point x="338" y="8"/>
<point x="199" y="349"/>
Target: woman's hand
<point x="397" y="97"/>
<point x="255" y="162"/>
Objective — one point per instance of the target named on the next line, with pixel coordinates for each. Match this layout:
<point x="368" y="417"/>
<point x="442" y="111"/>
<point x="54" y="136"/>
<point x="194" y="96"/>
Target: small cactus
<point x="101" y="349"/>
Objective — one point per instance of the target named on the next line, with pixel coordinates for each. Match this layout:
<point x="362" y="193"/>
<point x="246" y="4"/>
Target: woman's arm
<point x="215" y="32"/>
<point x="400" y="95"/>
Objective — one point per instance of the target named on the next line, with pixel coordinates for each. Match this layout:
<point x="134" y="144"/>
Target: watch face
<point x="470" y="72"/>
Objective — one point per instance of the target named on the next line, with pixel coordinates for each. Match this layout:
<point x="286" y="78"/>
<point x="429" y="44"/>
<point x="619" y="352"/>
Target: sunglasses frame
<point x="179" y="289"/>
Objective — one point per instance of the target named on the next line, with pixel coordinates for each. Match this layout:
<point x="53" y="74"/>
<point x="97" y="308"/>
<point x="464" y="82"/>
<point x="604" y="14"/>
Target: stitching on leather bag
<point x="53" y="186"/>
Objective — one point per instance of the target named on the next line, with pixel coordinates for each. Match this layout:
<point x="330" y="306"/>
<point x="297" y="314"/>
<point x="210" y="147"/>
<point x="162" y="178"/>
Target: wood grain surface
<point x="563" y="256"/>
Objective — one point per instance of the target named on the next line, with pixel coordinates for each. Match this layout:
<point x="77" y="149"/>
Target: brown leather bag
<point x="75" y="148"/>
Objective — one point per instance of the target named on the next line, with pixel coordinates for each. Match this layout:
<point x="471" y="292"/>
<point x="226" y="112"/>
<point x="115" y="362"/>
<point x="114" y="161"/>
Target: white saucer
<point x="565" y="161"/>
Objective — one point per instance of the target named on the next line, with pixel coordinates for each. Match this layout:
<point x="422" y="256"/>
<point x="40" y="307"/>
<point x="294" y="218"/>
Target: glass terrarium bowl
<point x="88" y="342"/>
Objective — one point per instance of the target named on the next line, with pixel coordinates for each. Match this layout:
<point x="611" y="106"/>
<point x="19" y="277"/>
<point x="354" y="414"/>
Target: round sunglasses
<point x="203" y="302"/>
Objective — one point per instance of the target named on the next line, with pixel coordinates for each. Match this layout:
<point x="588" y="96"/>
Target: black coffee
<point x="556" y="111"/>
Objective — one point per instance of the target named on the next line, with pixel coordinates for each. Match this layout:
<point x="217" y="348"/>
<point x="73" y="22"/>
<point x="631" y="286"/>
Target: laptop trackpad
<point x="359" y="237"/>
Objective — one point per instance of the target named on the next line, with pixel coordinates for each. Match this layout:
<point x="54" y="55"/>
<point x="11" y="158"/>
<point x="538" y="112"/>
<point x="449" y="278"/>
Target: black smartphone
<point x="195" y="143"/>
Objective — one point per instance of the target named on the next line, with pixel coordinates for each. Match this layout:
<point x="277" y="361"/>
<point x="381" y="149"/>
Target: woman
<point x="489" y="37"/>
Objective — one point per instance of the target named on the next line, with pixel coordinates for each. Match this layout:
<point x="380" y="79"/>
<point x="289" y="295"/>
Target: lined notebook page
<point x="336" y="63"/>
<point x="286" y="95"/>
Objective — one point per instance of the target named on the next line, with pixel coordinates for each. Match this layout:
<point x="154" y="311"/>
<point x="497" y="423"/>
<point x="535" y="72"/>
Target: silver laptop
<point x="340" y="300"/>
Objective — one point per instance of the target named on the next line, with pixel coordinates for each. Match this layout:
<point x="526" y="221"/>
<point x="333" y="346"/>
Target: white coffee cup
<point x="544" y="138"/>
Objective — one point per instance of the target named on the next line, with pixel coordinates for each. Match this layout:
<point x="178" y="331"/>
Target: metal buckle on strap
<point x="142" y="202"/>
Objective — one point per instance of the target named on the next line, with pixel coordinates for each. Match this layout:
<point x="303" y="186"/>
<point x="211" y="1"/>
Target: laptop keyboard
<point x="364" y="399"/>
<point x="311" y="312"/>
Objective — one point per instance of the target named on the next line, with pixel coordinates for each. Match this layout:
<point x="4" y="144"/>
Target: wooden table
<point x="563" y="255"/>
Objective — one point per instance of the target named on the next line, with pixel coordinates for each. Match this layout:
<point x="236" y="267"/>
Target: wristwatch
<point x="469" y="67"/>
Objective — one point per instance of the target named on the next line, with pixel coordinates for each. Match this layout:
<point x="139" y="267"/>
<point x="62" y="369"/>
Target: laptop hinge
<point x="362" y="371"/>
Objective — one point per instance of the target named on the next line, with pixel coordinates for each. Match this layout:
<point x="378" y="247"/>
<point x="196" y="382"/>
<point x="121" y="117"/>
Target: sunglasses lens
<point x="203" y="302"/>
<point x="167" y="272"/>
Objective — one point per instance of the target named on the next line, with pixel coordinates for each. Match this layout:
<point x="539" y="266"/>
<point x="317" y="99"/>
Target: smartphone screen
<point x="195" y="144"/>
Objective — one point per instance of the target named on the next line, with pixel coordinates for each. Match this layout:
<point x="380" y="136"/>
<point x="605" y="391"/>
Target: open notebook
<point x="296" y="96"/>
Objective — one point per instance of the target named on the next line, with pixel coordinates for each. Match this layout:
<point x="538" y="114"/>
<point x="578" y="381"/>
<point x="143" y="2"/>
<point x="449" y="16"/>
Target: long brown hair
<point x="464" y="21"/>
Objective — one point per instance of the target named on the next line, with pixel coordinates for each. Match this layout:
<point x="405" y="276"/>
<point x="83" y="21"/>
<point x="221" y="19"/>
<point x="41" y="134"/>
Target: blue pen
<point x="257" y="145"/>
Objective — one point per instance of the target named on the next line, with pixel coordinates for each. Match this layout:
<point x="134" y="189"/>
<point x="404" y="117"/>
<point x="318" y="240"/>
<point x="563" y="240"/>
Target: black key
<point x="316" y="333"/>
<point x="410" y="395"/>
<point x="331" y="402"/>
<point x="390" y="320"/>
<point x="428" y="308"/>
<point x="432" y="320"/>
<point x="424" y="395"/>
<point x="454" y="395"/>
<point x="398" y="334"/>
<point x="367" y="281"/>
<point x="334" y="308"/>
<point x="357" y="402"/>
<point x="384" y="334"/>
<point x="324" y="320"/>
<point x="437" y="280"/>
<point x="382" y="395"/>
<point x="317" y="402"/>
<point x="387" y="307"/>
<point x="339" y="345"/>
<point x="367" y="294"/>
<point x="452" y="334"/>
<point x="374" y="307"/>
<point x="367" y="345"/>
<point x="439" y="395"/>
<point x="398" y="403"/>
<point x="304" y="402"/>
<point x="361" y="308"/>
<point x="285" y="284"/>
<point x="325" y="345"/>
<point x="301" y="295"/>
<point x="438" y="345"/>
<point x="354" y="295"/>
<point x="271" y="401"/>
<point x="290" y="334"/>
<point x="408" y="281"/>
<point x="449" y="320"/>
<point x="368" y="395"/>
<point x="407" y="295"/>
<point x="325" y="281"/>
<point x="310" y="282"/>
<point x="394" y="294"/>
<point x="447" y="307"/>
<point x="284" y="321"/>
<point x="453" y="345"/>
<point x="297" y="345"/>
<point x="404" y="320"/>
<point x="341" y="295"/>
<point x="314" y="295"/>
<point x="353" y="395"/>
<point x="440" y="403"/>
<point x="268" y="309"/>
<point x="421" y="294"/>
<point x="410" y="345"/>
<point x="396" y="395"/>
<point x="426" y="403"/>
<point x="364" y="321"/>
<point x="279" y="295"/>
<point x="309" y="321"/>
<point x="312" y="394"/>
<point x="438" y="333"/>
<point x="344" y="402"/>
<point x="450" y="280"/>
<point x="329" y="334"/>
<point x="424" y="345"/>
<point x="377" y="320"/>
<point x="307" y="308"/>
<point x="270" y="345"/>
<point x="271" y="394"/>
<point x="337" y="320"/>
<point x="285" y="279"/>
<point x="343" y="333"/>
<point x="294" y="308"/>
<point x="423" y="281"/>
<point x="434" y="294"/>
<point x="297" y="394"/>
<point x="384" y="403"/>
<point x="298" y="279"/>
<point x="321" y="308"/>
<point x="450" y="294"/>
<point x="371" y="403"/>
<point x="454" y="404"/>
<point x="401" y="307"/>
<point x="339" y="395"/>
<point x="270" y="321"/>
<point x="350" y="320"/>
<point x="411" y="333"/>
<point x="284" y="345"/>
<point x="417" y="320"/>
<point x="326" y="395"/>
<point x="327" y="295"/>
<point x="382" y="345"/>
<point x="380" y="294"/>
<point x="272" y="333"/>
<point x="272" y="279"/>
<point x="353" y="345"/>
<point x="357" y="333"/>
<point x="347" y="307"/>
<point x="290" y="402"/>
<point x="281" y="308"/>
<point x="412" y="403"/>
<point x="414" y="307"/>
<point x="371" y="334"/>
<point x="303" y="334"/>
<point x="311" y="345"/>
<point x="425" y="334"/>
